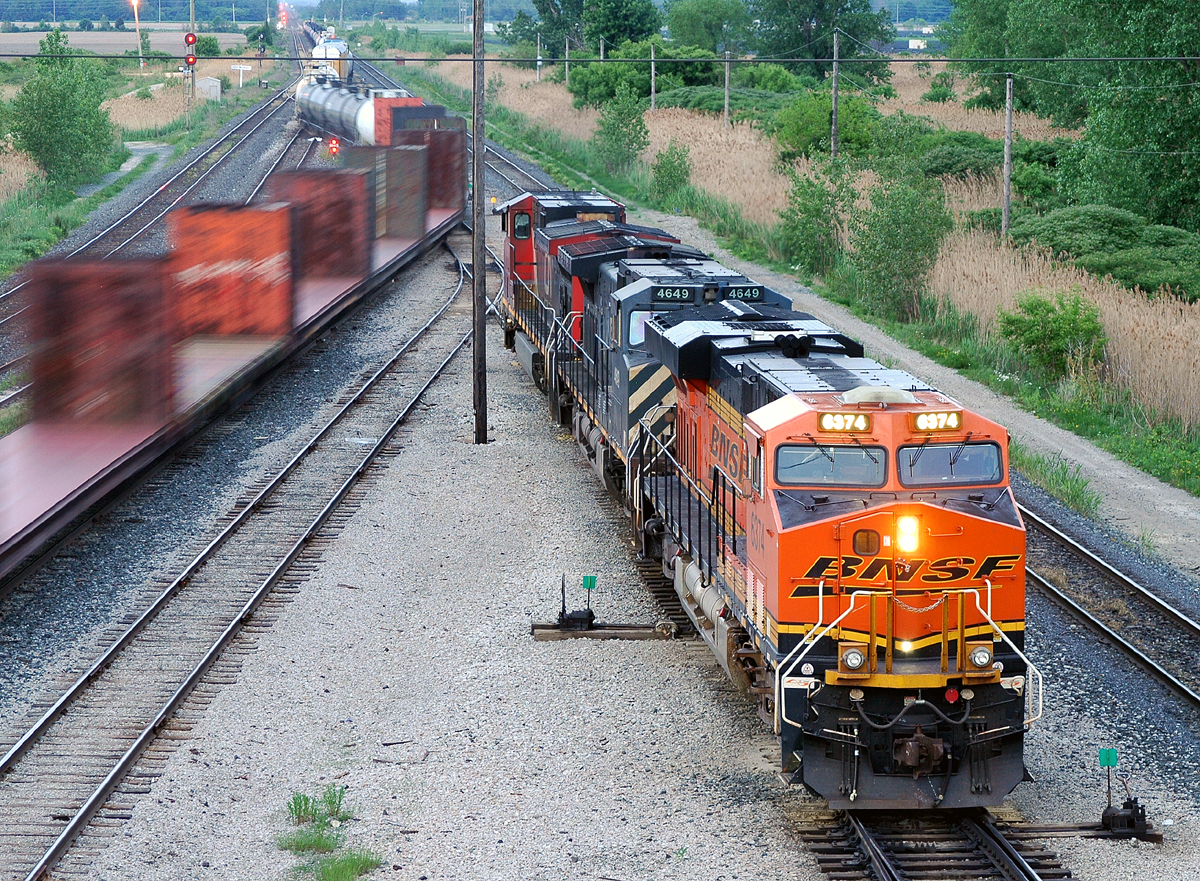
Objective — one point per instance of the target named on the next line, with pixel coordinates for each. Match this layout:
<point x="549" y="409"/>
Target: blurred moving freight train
<point x="129" y="357"/>
<point x="326" y="102"/>
<point x="841" y="534"/>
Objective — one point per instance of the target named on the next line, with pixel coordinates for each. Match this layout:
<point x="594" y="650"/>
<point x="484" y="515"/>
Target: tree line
<point x="1141" y="119"/>
<point x="798" y="30"/>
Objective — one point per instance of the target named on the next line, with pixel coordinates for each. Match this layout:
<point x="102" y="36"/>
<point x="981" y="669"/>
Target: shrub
<point x="770" y="78"/>
<point x="804" y="127"/>
<point x="207" y="46"/>
<point x="959" y="161"/>
<point x="939" y="95"/>
<point x="85" y="24"/>
<point x="1081" y="230"/>
<point x="811" y="224"/>
<point x="57" y="118"/>
<point x="895" y="244"/>
<point x="671" y="171"/>
<point x="621" y="135"/>
<point x="1037" y="185"/>
<point x="754" y="103"/>
<point x="303" y="808"/>
<point x="593" y="85"/>
<point x="1055" y="336"/>
<point x="941" y="89"/>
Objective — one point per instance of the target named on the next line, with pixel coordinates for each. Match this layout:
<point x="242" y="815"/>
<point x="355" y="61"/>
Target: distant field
<point x="113" y="42"/>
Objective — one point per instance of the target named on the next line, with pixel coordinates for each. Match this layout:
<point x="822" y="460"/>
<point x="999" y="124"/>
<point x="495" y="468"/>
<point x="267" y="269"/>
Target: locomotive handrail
<point x="1032" y="671"/>
<point x="1035" y="703"/>
<point x="779" y="675"/>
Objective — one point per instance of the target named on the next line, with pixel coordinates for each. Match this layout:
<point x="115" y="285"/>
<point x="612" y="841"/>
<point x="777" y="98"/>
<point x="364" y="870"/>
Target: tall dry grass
<point x="910" y="85"/>
<point x="16" y="170"/>
<point x="737" y="163"/>
<point x="1151" y="350"/>
<point x="545" y="103"/>
<point x="973" y="192"/>
<point x="165" y="105"/>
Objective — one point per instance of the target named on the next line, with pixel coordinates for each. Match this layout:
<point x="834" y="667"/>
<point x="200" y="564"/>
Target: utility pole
<point x="192" y="17"/>
<point x="725" y="118"/>
<point x="602" y="48"/>
<point x="538" y="76"/>
<point x="833" y="132"/>
<point x="567" y="60"/>
<point x="478" y="231"/>
<point x="651" y="76"/>
<point x="1008" y="108"/>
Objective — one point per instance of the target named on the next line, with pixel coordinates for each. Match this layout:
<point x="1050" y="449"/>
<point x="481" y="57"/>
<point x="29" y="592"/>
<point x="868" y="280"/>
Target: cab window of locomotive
<point x="637" y="326"/>
<point x="756" y="468"/>
<point x="521" y="225"/>
<point x="950" y="464"/>
<point x="830" y="465"/>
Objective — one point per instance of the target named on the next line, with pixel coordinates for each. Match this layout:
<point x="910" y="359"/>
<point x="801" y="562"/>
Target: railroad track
<point x="874" y="846"/>
<point x="500" y="164"/>
<point x="1131" y="617"/>
<point x="87" y="754"/>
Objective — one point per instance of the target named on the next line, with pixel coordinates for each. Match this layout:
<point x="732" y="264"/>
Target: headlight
<point x="853" y="659"/>
<point x="907" y="540"/>
<point x="981" y="657"/>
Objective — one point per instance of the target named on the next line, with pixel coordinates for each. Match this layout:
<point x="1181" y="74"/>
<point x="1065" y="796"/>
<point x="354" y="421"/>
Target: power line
<point x="1101" y="86"/>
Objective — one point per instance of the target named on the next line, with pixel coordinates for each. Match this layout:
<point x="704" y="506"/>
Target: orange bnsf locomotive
<point x="842" y="535"/>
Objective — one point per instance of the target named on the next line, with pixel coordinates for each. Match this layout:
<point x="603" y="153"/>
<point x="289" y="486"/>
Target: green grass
<point x="312" y="838"/>
<point x="318" y="817"/>
<point x="36" y="220"/>
<point x="345" y="866"/>
<point x="13" y="417"/>
<point x="303" y="808"/>
<point x="1056" y="476"/>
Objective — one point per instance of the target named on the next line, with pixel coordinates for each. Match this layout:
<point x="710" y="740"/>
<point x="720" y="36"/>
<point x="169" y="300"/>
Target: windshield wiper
<point x="913" y="458"/>
<point x="958" y="452"/>
<point x="870" y="455"/>
<point x="824" y="452"/>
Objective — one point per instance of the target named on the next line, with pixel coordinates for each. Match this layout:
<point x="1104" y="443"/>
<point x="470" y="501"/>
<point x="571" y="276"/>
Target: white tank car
<point x="345" y="112"/>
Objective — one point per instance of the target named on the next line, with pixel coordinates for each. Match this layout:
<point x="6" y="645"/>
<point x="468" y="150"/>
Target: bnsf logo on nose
<point x="941" y="571"/>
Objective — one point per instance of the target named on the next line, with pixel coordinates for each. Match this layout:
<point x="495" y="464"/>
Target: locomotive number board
<point x="744" y="292"/>
<point x="844" y="422"/>
<point x="673" y="294"/>
<point x="942" y="420"/>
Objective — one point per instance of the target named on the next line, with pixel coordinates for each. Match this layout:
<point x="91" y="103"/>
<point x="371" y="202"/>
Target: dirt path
<point x="1136" y="505"/>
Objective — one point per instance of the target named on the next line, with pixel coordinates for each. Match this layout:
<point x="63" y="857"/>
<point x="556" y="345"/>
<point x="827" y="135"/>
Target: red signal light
<point x="190" y="60"/>
<point x="334" y="146"/>
<point x="189" y="39"/>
